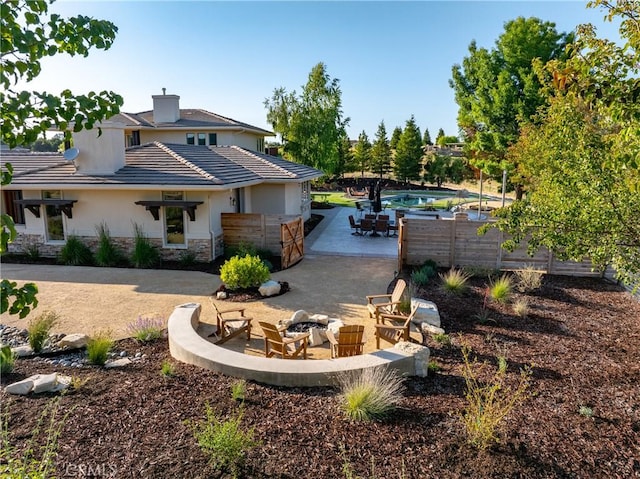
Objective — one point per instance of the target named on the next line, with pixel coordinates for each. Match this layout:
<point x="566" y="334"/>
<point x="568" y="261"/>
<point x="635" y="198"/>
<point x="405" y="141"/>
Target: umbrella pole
<point x="480" y="205"/>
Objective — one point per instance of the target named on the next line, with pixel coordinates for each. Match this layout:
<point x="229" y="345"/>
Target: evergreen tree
<point x="395" y="137"/>
<point x="408" y="159"/>
<point x="439" y="136"/>
<point x="362" y="153"/>
<point x="426" y="139"/>
<point x="381" y="152"/>
<point x="345" y="155"/>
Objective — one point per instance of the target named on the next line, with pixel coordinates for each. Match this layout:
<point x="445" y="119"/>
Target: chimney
<point x="166" y="108"/>
<point x="103" y="155"/>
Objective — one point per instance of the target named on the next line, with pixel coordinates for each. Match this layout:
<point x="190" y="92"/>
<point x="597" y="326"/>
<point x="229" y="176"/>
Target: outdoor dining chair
<point x="381" y="227"/>
<point x="354" y="226"/>
<point x="366" y="226"/>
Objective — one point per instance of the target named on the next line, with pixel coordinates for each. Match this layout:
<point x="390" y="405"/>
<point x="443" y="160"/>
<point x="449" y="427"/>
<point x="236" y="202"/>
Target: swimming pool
<point x="408" y="200"/>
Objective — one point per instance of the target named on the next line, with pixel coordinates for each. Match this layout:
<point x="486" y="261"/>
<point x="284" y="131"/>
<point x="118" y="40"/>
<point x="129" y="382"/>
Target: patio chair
<point x="366" y="226"/>
<point x="394" y="328"/>
<point x="286" y="348"/>
<point x="370" y="216"/>
<point x="386" y="303"/>
<point x="230" y="326"/>
<point x="354" y="226"/>
<point x="350" y="341"/>
<point x="359" y="209"/>
<point x="381" y="227"/>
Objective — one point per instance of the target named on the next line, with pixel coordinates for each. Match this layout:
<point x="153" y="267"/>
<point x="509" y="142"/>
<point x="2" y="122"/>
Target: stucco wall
<point x="269" y="199"/>
<point x="225" y="138"/>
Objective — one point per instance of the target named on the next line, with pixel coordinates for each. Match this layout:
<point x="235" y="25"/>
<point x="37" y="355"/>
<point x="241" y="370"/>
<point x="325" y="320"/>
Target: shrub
<point x="107" y="254"/>
<point x="480" y="271"/>
<point x="7" y="360"/>
<point x="98" y="347"/>
<point x="422" y="276"/>
<point x="433" y="367"/>
<point x="187" y="258"/>
<point x="455" y="281"/>
<point x="528" y="279"/>
<point x="244" y="272"/>
<point x="146" y="328"/>
<point x="488" y="403"/>
<point x="39" y="329"/>
<point x="521" y="308"/>
<point x="224" y="441"/>
<point x="32" y="251"/>
<point x="443" y="339"/>
<point x="145" y="254"/>
<point x="75" y="253"/>
<point x="500" y="290"/>
<point x="239" y="390"/>
<point x="429" y="263"/>
<point x="369" y="394"/>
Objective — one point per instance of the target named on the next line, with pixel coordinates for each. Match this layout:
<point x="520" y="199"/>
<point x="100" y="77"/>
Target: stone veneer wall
<point x="23" y="243"/>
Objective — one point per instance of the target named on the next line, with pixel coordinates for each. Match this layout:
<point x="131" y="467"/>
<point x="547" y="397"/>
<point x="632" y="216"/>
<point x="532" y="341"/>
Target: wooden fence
<point x="455" y="242"/>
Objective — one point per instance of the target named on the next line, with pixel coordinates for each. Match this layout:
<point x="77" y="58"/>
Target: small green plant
<point x="521" y="307"/>
<point x="528" y="279"/>
<point x="489" y="402"/>
<point x="369" y="394"/>
<point x="433" y="367"/>
<point x="500" y="289"/>
<point x="31" y="462"/>
<point x="146" y="328"/>
<point x="145" y="254"/>
<point x="422" y="276"/>
<point x="224" y="441"/>
<point x="107" y="254"/>
<point x="442" y="339"/>
<point x="585" y="411"/>
<point x="75" y="253"/>
<point x="78" y="383"/>
<point x="239" y="390"/>
<point x="244" y="272"/>
<point x="480" y="271"/>
<point x="187" y="258"/>
<point x="98" y="347"/>
<point x="167" y="370"/>
<point x="455" y="281"/>
<point x="39" y="329"/>
<point x="7" y="359"/>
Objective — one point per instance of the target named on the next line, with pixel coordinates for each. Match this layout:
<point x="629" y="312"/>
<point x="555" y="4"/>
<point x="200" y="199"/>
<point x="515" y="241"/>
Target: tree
<point x="311" y="125"/>
<point x="381" y="152"/>
<point x="395" y="137"/>
<point x="446" y="139"/>
<point x="362" y="153"/>
<point x="408" y="153"/>
<point x="345" y="156"/>
<point x="439" y="136"/>
<point x="48" y="144"/>
<point x="582" y="154"/>
<point x="497" y="91"/>
<point x="426" y="138"/>
<point x="441" y="168"/>
<point x="30" y="34"/>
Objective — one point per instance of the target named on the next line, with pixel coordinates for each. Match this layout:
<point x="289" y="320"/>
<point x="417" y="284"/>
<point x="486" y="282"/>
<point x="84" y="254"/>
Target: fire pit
<point x="316" y="325"/>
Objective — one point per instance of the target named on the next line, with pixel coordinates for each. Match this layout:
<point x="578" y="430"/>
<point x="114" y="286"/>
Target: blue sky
<point x="393" y="59"/>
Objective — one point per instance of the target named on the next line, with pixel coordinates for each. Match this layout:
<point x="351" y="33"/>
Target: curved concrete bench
<point x="186" y="345"/>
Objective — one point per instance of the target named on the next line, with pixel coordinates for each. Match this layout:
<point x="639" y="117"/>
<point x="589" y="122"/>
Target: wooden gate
<point x="292" y="242"/>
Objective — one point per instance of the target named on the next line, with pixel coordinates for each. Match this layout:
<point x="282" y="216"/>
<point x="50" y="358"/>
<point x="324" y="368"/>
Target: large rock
<point x="269" y="288"/>
<point x="315" y="337"/>
<point x="76" y="340"/>
<point x="299" y="316"/>
<point x="420" y="356"/>
<point x="427" y="312"/>
<point x="427" y="329"/>
<point x="39" y="383"/>
<point x="118" y="363"/>
<point x="22" y="351"/>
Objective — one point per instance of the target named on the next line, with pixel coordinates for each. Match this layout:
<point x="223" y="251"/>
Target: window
<point x="11" y="208"/>
<point x="133" y="139"/>
<point x="260" y="145"/>
<point x="202" y="139"/>
<point x="305" y="191"/>
<point x="54" y="224"/>
<point x="213" y="139"/>
<point x="174" y="219"/>
<point x="191" y="139"/>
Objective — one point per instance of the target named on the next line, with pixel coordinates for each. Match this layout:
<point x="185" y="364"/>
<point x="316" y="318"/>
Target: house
<point x="174" y="189"/>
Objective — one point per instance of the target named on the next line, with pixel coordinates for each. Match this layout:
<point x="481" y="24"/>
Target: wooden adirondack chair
<point x="386" y="303"/>
<point x="394" y="327"/>
<point x="276" y="344"/>
<point x="350" y="341"/>
<point x="230" y="326"/>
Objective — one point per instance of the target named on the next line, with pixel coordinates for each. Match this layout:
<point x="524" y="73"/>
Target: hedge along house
<point x="175" y="192"/>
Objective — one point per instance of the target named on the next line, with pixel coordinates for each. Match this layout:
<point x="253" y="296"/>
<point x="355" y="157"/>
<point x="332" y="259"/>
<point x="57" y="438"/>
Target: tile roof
<point x="189" y="166"/>
<point x="189" y="118"/>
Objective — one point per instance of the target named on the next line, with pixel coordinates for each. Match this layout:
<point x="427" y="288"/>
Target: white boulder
<point x="118" y="363"/>
<point x="39" y="383"/>
<point x="221" y="295"/>
<point x="299" y="316"/>
<point x="22" y="351"/>
<point x="76" y="340"/>
<point x="269" y="288"/>
<point x="420" y="356"/>
<point x="427" y="312"/>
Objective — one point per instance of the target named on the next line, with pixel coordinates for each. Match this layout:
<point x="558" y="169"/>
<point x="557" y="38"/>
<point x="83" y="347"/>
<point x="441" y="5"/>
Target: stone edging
<point x="186" y="345"/>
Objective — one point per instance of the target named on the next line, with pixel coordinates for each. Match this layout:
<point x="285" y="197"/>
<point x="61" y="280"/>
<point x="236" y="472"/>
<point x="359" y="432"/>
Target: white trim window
<point x="53" y="220"/>
<point x="305" y="191"/>
<point x="174" y="220"/>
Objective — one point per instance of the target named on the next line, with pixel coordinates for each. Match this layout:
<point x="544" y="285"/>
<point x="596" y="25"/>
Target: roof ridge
<point x="130" y="117"/>
<point x="184" y="161"/>
<point x="264" y="160"/>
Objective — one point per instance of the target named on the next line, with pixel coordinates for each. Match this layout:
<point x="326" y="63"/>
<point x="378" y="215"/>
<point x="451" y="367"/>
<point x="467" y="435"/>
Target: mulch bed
<point x="582" y="338"/>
